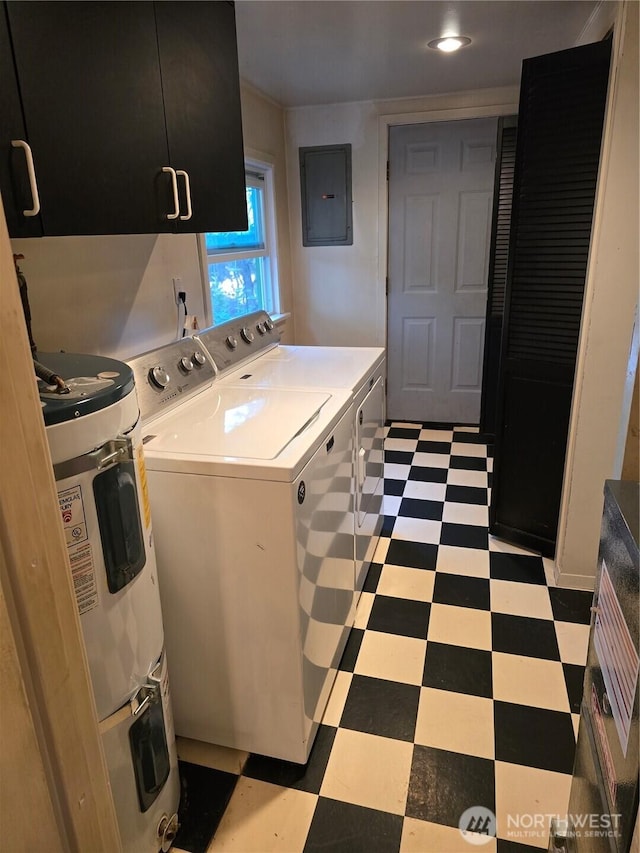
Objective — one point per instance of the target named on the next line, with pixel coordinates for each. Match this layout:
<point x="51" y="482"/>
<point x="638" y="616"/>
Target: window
<point x="240" y="266"/>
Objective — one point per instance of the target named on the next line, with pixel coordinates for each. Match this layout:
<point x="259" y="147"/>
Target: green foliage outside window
<point x="237" y="283"/>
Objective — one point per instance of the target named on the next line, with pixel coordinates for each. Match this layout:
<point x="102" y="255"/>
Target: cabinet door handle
<point x="35" y="198"/>
<point x="174" y="185"/>
<point x="187" y="187"/>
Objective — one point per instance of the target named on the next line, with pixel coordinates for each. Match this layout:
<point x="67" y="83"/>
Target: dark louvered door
<point x="498" y="258"/>
<point x="562" y="103"/>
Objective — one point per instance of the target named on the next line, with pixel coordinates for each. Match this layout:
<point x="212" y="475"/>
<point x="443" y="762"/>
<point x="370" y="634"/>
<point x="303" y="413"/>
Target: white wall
<point x="114" y="295"/>
<point x="339" y="291"/>
<point x="336" y="287"/>
<point x="108" y="295"/>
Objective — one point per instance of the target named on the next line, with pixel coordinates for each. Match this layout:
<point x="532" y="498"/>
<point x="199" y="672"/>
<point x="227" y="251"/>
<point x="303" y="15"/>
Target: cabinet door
<point x="14" y="182"/>
<point x="92" y="99"/>
<point x="199" y="62"/>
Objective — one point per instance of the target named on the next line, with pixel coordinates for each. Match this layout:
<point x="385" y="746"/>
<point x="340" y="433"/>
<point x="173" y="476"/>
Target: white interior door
<point x="441" y="178"/>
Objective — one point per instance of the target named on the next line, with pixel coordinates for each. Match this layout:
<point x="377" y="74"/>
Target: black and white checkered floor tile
<point x="460" y="686"/>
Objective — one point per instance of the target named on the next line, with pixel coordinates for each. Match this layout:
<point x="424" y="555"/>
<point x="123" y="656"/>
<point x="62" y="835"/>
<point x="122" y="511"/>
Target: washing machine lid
<point x="308" y="367"/>
<point x="95" y="383"/>
<point x="236" y="423"/>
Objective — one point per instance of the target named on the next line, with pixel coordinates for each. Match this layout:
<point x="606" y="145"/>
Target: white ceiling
<point x="322" y="52"/>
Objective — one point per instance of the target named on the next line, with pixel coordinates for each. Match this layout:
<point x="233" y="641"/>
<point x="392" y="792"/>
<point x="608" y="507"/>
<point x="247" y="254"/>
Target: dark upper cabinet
<point x="108" y="124"/>
<point x="17" y="193"/>
<point x="91" y="92"/>
<point x="201" y="87"/>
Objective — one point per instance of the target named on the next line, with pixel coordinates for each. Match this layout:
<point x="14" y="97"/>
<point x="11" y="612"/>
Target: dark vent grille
<point x="561" y="126"/>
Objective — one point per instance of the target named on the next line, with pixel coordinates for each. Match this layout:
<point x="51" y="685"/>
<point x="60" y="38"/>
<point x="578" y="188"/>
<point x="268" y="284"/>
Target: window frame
<point x="258" y="173"/>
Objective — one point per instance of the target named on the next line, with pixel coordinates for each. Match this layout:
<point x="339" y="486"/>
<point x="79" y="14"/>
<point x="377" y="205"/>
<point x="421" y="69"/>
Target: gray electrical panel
<point x="325" y="185"/>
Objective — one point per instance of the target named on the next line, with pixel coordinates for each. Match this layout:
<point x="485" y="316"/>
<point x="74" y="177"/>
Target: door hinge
<point x="387" y="170"/>
<point x="386" y="286"/>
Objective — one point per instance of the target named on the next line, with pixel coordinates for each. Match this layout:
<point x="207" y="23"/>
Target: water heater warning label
<point x="80" y="552"/>
<point x="73" y="518"/>
<point x="84" y="577"/>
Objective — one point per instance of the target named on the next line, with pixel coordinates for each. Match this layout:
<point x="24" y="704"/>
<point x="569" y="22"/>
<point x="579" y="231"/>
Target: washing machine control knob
<point x="185" y="364"/>
<point x="261" y="328"/>
<point x="231" y="342"/>
<point x="159" y="377"/>
<point x="198" y="358"/>
<point x="247" y="335"/>
<point x="268" y="324"/>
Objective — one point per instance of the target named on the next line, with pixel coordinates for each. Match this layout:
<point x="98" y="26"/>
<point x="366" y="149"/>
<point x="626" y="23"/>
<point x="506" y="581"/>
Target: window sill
<point x="280" y="320"/>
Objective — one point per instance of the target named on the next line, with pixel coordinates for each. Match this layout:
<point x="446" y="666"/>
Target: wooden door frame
<point x="55" y="785"/>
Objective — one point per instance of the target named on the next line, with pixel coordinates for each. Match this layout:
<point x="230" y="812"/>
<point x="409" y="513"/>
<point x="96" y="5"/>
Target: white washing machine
<point x="252" y="497"/>
<point x="248" y="352"/>
<point x="93" y="431"/>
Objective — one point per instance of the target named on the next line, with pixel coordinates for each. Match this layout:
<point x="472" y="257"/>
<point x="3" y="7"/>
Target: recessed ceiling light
<point x="449" y="43"/>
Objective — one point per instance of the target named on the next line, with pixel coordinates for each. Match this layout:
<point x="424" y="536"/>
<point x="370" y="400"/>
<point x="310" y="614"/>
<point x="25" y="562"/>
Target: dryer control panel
<point x="236" y="341"/>
<point x="169" y="375"/>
